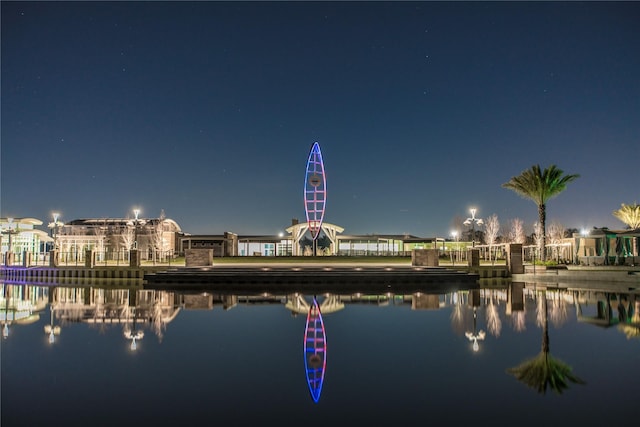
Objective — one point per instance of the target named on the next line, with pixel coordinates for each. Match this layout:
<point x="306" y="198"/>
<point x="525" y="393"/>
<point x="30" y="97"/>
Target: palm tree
<point x="629" y="214"/>
<point x="540" y="186"/>
<point x="544" y="370"/>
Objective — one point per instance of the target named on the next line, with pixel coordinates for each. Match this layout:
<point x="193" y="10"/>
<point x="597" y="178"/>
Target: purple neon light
<point x="315" y="351"/>
<point x="315" y="190"/>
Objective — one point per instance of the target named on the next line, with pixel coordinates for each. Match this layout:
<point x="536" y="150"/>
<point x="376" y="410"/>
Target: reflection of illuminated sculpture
<point x="315" y="350"/>
<point x="475" y="336"/>
<point x="51" y="330"/>
<point x="315" y="192"/>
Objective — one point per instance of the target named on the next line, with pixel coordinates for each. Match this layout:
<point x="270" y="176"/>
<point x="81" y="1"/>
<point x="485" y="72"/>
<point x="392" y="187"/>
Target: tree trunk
<point x="545" y="326"/>
<point x="542" y="215"/>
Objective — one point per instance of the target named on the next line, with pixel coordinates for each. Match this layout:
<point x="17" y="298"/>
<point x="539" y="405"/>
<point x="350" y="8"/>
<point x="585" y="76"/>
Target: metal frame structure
<point x="315" y="191"/>
<point x="315" y="350"/>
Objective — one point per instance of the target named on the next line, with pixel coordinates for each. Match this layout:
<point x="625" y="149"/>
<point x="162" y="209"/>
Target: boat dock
<point x="312" y="278"/>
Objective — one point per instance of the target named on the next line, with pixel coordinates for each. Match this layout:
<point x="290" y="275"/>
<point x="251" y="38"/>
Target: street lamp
<point x="454" y="234"/>
<point x="136" y="212"/>
<point x="54" y="225"/>
<point x="10" y="221"/>
<point x="473" y="221"/>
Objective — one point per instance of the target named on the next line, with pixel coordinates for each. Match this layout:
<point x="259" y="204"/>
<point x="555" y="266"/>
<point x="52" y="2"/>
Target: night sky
<point x="207" y="110"/>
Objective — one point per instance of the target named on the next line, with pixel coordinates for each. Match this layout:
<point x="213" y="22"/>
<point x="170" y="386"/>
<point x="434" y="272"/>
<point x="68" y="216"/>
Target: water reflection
<point x="315" y="350"/>
<point x="20" y="305"/>
<point x="544" y="370"/>
<point x="478" y="316"/>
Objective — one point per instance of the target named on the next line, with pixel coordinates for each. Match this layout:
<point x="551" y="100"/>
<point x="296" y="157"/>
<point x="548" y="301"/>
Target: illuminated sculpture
<point x="315" y="192"/>
<point x="315" y="350"/>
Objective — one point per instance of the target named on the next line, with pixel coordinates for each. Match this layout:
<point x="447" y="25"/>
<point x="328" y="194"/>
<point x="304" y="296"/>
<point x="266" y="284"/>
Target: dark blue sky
<point x="422" y="109"/>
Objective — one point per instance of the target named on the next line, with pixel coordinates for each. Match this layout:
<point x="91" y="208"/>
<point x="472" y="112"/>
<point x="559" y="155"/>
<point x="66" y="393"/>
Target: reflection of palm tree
<point x="544" y="370"/>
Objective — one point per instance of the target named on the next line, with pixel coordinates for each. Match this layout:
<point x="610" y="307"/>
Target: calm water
<point x="230" y="359"/>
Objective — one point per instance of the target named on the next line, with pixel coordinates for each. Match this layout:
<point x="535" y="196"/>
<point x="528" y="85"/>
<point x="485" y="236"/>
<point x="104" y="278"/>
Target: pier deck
<point x="312" y="278"/>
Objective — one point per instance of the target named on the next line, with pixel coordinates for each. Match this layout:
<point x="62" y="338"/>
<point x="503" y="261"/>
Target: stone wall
<point x="198" y="257"/>
<point x="473" y="257"/>
<point x="514" y="258"/>
<point x="425" y="257"/>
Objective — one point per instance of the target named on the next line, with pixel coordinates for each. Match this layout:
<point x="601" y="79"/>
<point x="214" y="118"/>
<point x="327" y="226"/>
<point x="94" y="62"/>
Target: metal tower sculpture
<point x="315" y="192"/>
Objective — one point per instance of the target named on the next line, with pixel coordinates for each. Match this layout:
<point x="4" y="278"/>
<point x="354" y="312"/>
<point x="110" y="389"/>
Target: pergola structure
<point x="297" y="232"/>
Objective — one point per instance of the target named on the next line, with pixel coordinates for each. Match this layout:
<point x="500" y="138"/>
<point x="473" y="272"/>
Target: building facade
<point x="112" y="238"/>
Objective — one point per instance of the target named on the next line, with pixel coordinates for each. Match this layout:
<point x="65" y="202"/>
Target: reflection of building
<point x="298" y="304"/>
<point x="113" y="306"/>
<point x="426" y="302"/>
<point x="20" y="304"/>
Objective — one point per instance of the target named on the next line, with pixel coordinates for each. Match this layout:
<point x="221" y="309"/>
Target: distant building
<point x="19" y="236"/>
<point x="296" y="242"/>
<point x="113" y="238"/>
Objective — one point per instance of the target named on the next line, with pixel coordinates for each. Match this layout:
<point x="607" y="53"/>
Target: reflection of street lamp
<point x="475" y="336"/>
<point x="133" y="335"/>
<point x="5" y="327"/>
<point x="473" y="221"/>
<point x="50" y="329"/>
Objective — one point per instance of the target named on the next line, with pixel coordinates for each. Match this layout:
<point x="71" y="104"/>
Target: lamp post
<point x="473" y="221"/>
<point x="136" y="212"/>
<point x="9" y="258"/>
<point x="55" y="224"/>
<point x="56" y="215"/>
<point x="1" y="234"/>
<point x="54" y="230"/>
<point x="10" y="231"/>
<point x="454" y="234"/>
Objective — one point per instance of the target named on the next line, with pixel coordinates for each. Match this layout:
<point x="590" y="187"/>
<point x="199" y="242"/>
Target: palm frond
<point x="629" y="214"/>
<point x="545" y="371"/>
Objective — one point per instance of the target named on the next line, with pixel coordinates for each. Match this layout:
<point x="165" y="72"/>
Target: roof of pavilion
<point x="120" y="222"/>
